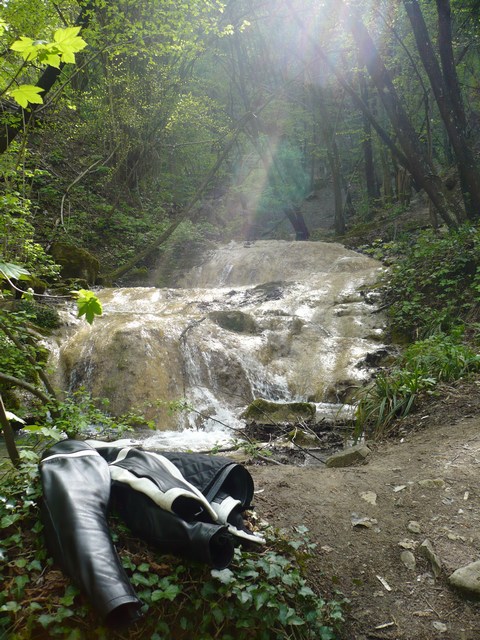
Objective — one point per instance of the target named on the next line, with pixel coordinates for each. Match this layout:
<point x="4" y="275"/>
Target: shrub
<point x="435" y="284"/>
<point x="392" y="394"/>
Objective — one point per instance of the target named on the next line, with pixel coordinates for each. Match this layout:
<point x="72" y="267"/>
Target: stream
<point x="278" y="320"/>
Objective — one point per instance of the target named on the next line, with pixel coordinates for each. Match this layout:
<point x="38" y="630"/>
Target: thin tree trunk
<point x="418" y="163"/>
<point x="8" y="435"/>
<point x="333" y="157"/>
<point x="368" y="161"/>
<point x="419" y="167"/>
<point x="447" y="94"/>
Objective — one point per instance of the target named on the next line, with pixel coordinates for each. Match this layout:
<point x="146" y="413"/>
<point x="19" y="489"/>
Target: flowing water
<point x="283" y="321"/>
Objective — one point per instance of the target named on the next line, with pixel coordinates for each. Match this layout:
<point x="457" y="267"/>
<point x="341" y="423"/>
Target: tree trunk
<point x="298" y="223"/>
<point x="446" y="90"/>
<point x="333" y="156"/>
<point x="8" y="435"/>
<point x="418" y="163"/>
<point x="368" y="162"/>
<point x="409" y="154"/>
<point x="387" y="178"/>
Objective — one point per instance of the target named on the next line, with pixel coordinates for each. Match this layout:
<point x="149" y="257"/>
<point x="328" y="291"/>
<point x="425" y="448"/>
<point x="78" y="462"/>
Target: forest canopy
<point x="127" y="126"/>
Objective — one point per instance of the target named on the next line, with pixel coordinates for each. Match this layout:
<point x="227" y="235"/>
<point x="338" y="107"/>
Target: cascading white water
<point x="279" y="320"/>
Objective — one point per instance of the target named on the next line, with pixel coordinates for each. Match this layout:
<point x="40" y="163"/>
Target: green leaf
<point x="20" y="563"/>
<point x="69" y="596"/>
<point x="25" y="47"/>
<point x="88" y="305"/>
<point x="52" y="59"/>
<point x="11" y="605"/>
<point x="260" y="599"/>
<point x="26" y="94"/>
<point x="225" y="575"/>
<point x="13" y="271"/>
<point x="46" y="619"/>
<point x="170" y="592"/>
<point x="68" y="43"/>
<point x="7" y="521"/>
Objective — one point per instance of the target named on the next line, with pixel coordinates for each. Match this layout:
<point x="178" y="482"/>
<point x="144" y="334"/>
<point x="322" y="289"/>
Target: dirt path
<point x="410" y="603"/>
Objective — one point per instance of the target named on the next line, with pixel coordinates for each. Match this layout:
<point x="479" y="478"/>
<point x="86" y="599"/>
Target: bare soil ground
<point x="389" y="601"/>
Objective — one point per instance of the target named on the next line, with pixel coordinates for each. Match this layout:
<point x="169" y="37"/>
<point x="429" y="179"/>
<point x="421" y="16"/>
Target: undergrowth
<point x="434" y="283"/>
<point x="262" y="595"/>
<point x="433" y="297"/>
<point x="425" y="363"/>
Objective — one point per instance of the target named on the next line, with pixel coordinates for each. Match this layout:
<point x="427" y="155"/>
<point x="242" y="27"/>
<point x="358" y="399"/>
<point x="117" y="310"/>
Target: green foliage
<point x="39" y="314"/>
<point x="392" y="395"/>
<point x="88" y="305"/>
<point x="79" y="415"/>
<point x="262" y="594"/>
<point x="435" y="284"/>
<point x="17" y="231"/>
<point x="23" y="362"/>
<point x="66" y="42"/>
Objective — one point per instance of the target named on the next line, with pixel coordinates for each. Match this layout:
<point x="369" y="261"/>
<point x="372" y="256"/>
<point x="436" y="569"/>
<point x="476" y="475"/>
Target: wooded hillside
<point x="165" y="124"/>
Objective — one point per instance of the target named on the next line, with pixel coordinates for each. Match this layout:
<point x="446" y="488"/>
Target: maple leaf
<point x="26" y="94"/>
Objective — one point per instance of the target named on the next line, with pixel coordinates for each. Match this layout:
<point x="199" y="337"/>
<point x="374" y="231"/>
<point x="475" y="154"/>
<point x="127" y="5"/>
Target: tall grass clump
<point x="392" y="394"/>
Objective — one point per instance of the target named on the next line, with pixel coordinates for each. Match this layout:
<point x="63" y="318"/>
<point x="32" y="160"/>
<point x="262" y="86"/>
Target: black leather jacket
<point x="189" y="505"/>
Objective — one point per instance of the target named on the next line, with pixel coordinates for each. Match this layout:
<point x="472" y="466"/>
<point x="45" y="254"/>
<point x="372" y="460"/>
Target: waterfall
<point x="284" y="321"/>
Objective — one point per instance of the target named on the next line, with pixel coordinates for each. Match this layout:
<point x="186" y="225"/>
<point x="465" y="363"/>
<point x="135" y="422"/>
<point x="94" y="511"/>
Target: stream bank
<point x="427" y="474"/>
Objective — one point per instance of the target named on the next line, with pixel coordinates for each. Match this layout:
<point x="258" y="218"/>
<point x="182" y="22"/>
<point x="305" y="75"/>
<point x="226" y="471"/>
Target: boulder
<point x="76" y="263"/>
<point x="467" y="579"/>
<point x="265" y="412"/>
<point x="349" y="456"/>
<point x="236" y="321"/>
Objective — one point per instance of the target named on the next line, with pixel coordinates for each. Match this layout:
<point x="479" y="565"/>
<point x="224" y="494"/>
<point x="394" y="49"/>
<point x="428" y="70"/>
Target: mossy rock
<point x="37" y="284"/>
<point x="236" y="321"/>
<point x="266" y="412"/>
<point x="44" y="316"/>
<point x="76" y="262"/>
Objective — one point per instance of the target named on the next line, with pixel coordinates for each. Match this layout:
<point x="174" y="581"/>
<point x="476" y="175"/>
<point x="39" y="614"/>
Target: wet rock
<point x="303" y="438"/>
<point x="234" y="321"/>
<point x="467" y="579"/>
<point x="266" y="412"/>
<point x="349" y="456"/>
<point x="330" y="413"/>
<point x="428" y="552"/>
<point x="270" y="290"/>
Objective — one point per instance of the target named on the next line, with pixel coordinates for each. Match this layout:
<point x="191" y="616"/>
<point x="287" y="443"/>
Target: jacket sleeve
<point x="195" y="540"/>
<point x="76" y="491"/>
